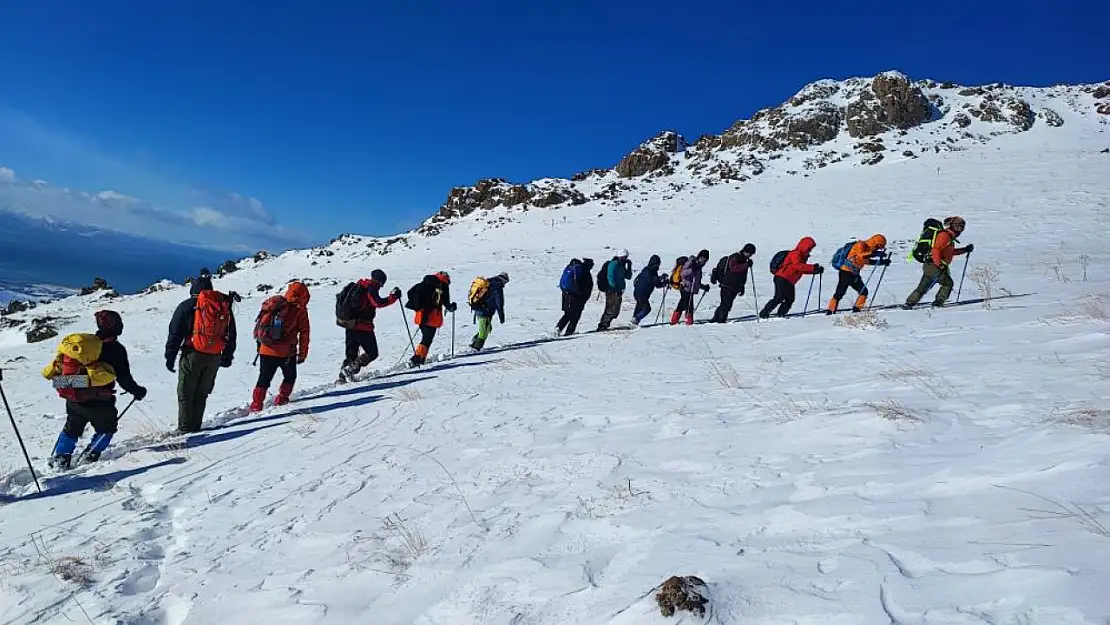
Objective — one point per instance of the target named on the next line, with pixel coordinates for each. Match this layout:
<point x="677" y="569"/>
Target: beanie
<point x="378" y="276"/>
<point x="108" y="323"/>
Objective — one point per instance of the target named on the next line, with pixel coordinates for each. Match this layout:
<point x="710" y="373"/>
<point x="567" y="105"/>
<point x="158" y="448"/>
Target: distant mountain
<point x="36" y="252"/>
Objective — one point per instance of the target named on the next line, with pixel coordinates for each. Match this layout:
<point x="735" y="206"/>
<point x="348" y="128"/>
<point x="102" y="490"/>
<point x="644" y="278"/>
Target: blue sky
<point x="276" y="124"/>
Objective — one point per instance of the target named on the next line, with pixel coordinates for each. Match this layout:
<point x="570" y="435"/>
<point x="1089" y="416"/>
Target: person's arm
<point x="117" y="359"/>
<point x="305" y="337"/>
<point x="376" y="300"/>
<point x="500" y="299"/>
<point x="180" y="328"/>
<point x="229" y="345"/>
<point x="942" y="241"/>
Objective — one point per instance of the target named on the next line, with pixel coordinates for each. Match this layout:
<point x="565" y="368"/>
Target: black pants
<point x="849" y="279"/>
<point x="102" y="415"/>
<point x="427" y="335"/>
<point x="268" y="366"/>
<point x="728" y="296"/>
<point x="685" y="302"/>
<point x="572" y="312"/>
<point x="356" y="340"/>
<point x="643" y="309"/>
<point x="784" y="298"/>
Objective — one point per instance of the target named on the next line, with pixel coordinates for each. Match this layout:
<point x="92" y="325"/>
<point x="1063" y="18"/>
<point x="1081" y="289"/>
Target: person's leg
<point x="577" y="307"/>
<point x="71" y="432"/>
<point x="427" y="335"/>
<point x="844" y="279"/>
<point x="288" y="379"/>
<point x="350" y="347"/>
<point x="267" y="367"/>
<point x="105" y="420"/>
<point x="784" y="292"/>
<point x="728" y="297"/>
<point x="946" y="284"/>
<point x="208" y="366"/>
<point x="861" y="287"/>
<point x="368" y="342"/>
<point x="188" y="380"/>
<point x="485" y="326"/>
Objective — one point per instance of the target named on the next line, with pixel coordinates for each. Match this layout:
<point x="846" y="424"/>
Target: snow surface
<point x="942" y="467"/>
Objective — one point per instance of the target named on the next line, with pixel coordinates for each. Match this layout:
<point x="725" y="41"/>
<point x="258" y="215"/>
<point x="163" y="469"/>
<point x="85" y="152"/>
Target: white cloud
<point x="114" y="196"/>
<point x="7" y="176"/>
<point x="205" y="216"/>
<point x="39" y="184"/>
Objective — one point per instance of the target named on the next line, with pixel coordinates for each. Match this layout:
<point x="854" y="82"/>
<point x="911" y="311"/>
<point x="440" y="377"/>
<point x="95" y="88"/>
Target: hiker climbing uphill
<point x="202" y="331"/>
<point x="576" y="285"/>
<point x="732" y="274"/>
<point x="355" y="309"/>
<point x="611" y="280"/>
<point x="85" y="373"/>
<point x="850" y="260"/>
<point x="429" y="298"/>
<point x="487" y="298"/>
<point x="788" y="268"/>
<point x="282" y="333"/>
<point x="644" y="287"/>
<point x="689" y="286"/>
<point x="937" y="260"/>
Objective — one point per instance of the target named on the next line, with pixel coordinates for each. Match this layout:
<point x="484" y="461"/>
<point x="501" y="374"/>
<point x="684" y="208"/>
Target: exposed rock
<point x="228" y="267"/>
<point x="1105" y="151"/>
<point x="1103" y="109"/>
<point x="871" y="146"/>
<point x="909" y="154"/>
<point x="323" y="251"/>
<point x="589" y="173"/>
<point x="895" y="103"/>
<point x="262" y="255"/>
<point x="1102" y="91"/>
<point x="1014" y="111"/>
<point x="486" y="194"/>
<point x="41" y="330"/>
<point x="682" y="594"/>
<point x="651" y="155"/>
<point x="961" y="120"/>
<point x="820" y="90"/>
<point x="948" y="85"/>
<point x="98" y="284"/>
<point x="554" y="197"/>
<point x="970" y="91"/>
<point x="1052" y="118"/>
<point x="873" y="159"/>
<point x="16" y="306"/>
<point x="818" y="125"/>
<point x="161" y="285"/>
<point x="264" y="288"/>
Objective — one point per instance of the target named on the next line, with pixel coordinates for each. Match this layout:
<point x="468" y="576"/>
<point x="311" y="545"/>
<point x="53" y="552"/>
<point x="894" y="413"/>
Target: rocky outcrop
<point x="961" y="120"/>
<point x="1103" y="109"/>
<point x="589" y="173"/>
<point x="41" y="330"/>
<point x="262" y="255"/>
<point x="893" y="102"/>
<point x="1101" y="91"/>
<point x="651" y="155"/>
<point x="161" y="285"/>
<point x="228" y="267"/>
<point x="555" y="197"/>
<point x="1005" y="109"/>
<point x="16" y="306"/>
<point x="98" y="284"/>
<point x="1051" y="117"/>
<point x="682" y="594"/>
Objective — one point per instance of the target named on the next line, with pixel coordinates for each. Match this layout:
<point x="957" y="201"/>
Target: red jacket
<point x="296" y="335"/>
<point x="370" y="303"/>
<point x="794" y="266"/>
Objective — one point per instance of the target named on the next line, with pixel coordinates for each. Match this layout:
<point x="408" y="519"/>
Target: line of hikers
<point x="202" y="335"/>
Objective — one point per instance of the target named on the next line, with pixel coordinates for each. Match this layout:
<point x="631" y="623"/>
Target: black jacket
<point x="181" y="332"/>
<point x="584" y="287"/>
<point x="115" y="355"/>
<point x="735" y="275"/>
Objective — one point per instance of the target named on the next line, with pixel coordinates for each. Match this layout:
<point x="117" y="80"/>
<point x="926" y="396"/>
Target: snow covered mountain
<point x="891" y="467"/>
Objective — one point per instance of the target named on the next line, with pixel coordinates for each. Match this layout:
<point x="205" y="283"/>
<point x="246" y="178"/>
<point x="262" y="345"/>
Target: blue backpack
<point x="568" y="283"/>
<point x="840" y="258"/>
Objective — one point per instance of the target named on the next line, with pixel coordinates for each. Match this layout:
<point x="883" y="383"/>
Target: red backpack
<point x="211" y="321"/>
<point x="269" y="327"/>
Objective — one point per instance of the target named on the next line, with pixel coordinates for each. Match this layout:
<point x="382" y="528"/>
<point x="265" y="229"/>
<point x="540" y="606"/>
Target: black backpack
<point x="348" y="304"/>
<point x="718" y="273"/>
<point x="603" y="277"/>
<point x="922" y="251"/>
<point x="778" y="259"/>
<point x="419" y="297"/>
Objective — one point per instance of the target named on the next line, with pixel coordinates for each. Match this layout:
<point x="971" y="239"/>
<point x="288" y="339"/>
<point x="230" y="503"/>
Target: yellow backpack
<point x="76" y="372"/>
<point x="478" y="290"/>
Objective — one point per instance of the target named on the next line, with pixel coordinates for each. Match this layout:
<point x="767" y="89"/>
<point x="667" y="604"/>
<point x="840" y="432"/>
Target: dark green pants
<point x="196" y="377"/>
<point x="931" y="274"/>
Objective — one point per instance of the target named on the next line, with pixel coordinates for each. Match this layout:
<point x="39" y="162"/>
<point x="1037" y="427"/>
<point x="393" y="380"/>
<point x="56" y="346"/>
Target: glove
<point x="170" y="363"/>
<point x="139" y="393"/>
<point x="970" y="248"/>
<point x="452" y="307"/>
<point x="395" y="293"/>
<point x="884" y="261"/>
<point x="818" y="269"/>
<point x="501" y="318"/>
<point x="301" y="359"/>
<point x="740" y="291"/>
<point x="226" y="362"/>
<point x="705" y="288"/>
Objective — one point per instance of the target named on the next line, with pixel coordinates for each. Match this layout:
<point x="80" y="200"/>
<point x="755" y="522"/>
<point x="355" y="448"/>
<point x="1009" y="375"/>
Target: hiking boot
<point x="284" y="391"/>
<point x="856" y="309"/>
<point x="907" y="306"/>
<point x="257" y="399"/>
<point x="92" y="456"/>
<point x="939" y="304"/>
<point x="60" y="461"/>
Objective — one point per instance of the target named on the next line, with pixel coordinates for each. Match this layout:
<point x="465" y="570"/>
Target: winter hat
<point x="444" y="277"/>
<point x="504" y="275"/>
<point x="203" y="282"/>
<point x="955" y="223"/>
<point x="588" y="262"/>
<point x="704" y="254"/>
<point x="749" y="249"/>
<point x="655" y="261"/>
<point x="378" y="276"/>
<point x="622" y="254"/>
<point x="108" y="323"/>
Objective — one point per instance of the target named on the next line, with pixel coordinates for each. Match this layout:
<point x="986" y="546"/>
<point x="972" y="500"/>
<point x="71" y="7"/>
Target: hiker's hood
<point x="297" y="293"/>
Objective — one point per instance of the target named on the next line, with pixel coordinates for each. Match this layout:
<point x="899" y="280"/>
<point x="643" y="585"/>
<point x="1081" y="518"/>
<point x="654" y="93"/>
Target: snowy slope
<point x="946" y="467"/>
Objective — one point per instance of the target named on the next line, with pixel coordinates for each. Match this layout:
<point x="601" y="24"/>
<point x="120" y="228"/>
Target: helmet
<point x="622" y="254"/>
<point x="504" y="275"/>
<point x="378" y="276"/>
<point x="443" y="277"/>
<point x="955" y="223"/>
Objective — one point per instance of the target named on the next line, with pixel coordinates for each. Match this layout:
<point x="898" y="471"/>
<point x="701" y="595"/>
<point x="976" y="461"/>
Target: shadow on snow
<point x="65" y="485"/>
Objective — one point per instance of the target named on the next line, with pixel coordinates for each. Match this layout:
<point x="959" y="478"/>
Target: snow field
<point x="926" y="467"/>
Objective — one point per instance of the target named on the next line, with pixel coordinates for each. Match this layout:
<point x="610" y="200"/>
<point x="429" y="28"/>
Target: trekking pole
<point x="820" y="284"/>
<point x="18" y="437"/>
<point x="453" y="334"/>
<point x="880" y="283"/>
<point x="755" y="295"/>
<point x="662" y="305"/>
<point x="967" y="259"/>
<point x="698" y="305"/>
<point x="810" y="292"/>
<point x="405" y="324"/>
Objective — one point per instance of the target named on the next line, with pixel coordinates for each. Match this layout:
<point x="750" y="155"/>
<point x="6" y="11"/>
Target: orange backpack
<point x="211" y="321"/>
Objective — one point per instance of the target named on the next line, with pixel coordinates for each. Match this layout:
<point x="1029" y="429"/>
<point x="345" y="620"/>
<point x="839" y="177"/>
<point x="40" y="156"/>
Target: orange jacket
<point x="296" y="334"/>
<point x="433" y="317"/>
<point x="860" y="254"/>
<point x="944" y="248"/>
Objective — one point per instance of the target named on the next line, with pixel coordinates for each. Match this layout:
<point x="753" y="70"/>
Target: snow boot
<point x="860" y="302"/>
<point x="61" y="462"/>
<point x="257" y="399"/>
<point x="675" y="316"/>
<point x="97" y="446"/>
<point x="477" y="344"/>
<point x="689" y="318"/>
<point x="833" y="305"/>
<point x="284" y="391"/>
<point x="62" y="456"/>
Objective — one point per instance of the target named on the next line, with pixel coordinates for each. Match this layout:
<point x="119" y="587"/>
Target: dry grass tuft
<point x="865" y="320"/>
<point x="894" y="411"/>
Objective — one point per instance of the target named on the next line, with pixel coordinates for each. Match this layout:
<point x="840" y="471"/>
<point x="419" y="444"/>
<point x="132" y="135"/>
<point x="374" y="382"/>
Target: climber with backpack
<point x="935" y="261"/>
<point x="691" y="277"/>
<point x="576" y="284"/>
<point x="84" y="373"/>
<point x="428" y="298"/>
<point x="611" y="280"/>
<point x="202" y="332"/>
<point x="486" y="299"/>
<point x="645" y="285"/>
<point x="281" y="332"/>
<point x="849" y="261"/>
<point x="356" y="306"/>
<point x="731" y="273"/>
<point x="788" y="267"/>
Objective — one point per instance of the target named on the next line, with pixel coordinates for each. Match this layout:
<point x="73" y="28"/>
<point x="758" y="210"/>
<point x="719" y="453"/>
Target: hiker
<point x="792" y="267"/>
<point x="937" y="268"/>
<point x="644" y="286"/>
<point x="93" y="399"/>
<point x="282" y="334"/>
<point x="690" y="285"/>
<point x="576" y="284"/>
<point x="355" y="308"/>
<point x="732" y="273"/>
<point x="850" y="260"/>
<point x="202" y="331"/>
<point x="486" y="300"/>
<point x="429" y="298"/>
<point x="615" y="272"/>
